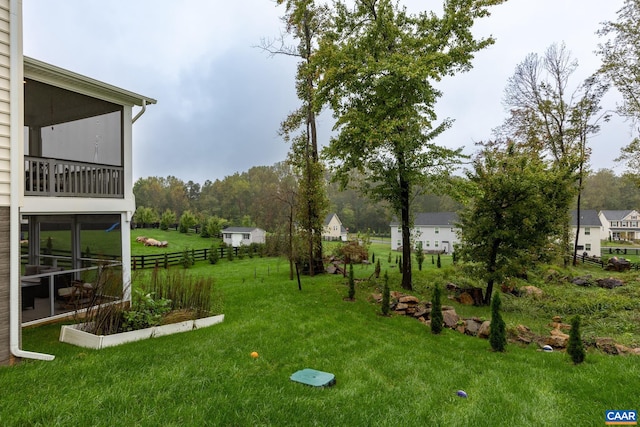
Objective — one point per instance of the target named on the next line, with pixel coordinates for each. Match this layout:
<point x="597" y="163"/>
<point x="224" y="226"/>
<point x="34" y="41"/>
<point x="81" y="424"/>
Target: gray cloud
<point x="220" y="101"/>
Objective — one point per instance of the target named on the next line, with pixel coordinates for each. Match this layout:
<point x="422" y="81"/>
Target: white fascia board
<point x="65" y="79"/>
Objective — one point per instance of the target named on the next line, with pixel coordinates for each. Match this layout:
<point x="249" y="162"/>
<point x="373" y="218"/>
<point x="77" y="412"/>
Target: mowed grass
<point x="390" y="371"/>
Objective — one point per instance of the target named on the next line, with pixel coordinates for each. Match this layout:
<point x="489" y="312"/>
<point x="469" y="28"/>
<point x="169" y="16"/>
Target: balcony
<point x="65" y="178"/>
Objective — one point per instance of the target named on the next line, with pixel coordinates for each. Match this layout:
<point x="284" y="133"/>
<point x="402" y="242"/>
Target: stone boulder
<point x="450" y="318"/>
<point x="557" y="339"/>
<point x="585" y="281"/>
<point x="484" y="330"/>
<point x="617" y="264"/>
<point x="609" y="283"/>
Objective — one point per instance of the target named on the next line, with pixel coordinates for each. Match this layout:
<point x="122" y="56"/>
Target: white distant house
<point x="436" y="231"/>
<point x="620" y="225"/>
<point x="240" y="236"/>
<point x="333" y="228"/>
<point x="589" y="234"/>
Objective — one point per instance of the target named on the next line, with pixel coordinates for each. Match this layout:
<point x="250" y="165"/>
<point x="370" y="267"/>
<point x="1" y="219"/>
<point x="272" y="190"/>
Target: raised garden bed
<point x="73" y="334"/>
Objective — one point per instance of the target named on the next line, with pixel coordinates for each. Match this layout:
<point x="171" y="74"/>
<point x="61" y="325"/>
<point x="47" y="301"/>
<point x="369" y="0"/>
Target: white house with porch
<point x="620" y="225"/>
<point x="66" y="187"/>
<point x="436" y="231"/>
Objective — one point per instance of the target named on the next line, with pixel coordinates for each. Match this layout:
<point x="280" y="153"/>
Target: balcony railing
<point x="55" y="178"/>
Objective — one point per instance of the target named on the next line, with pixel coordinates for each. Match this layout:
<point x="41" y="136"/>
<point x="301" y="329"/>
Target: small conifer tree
<point x="575" y="349"/>
<point x="214" y="256"/>
<point x="373" y="258"/>
<point x="439" y="264"/>
<point x="352" y="283"/>
<point x="386" y="296"/>
<point x="389" y="258"/>
<point x="377" y="270"/>
<point x="436" y="311"/>
<point x="432" y="260"/>
<point x="419" y="255"/>
<point x="497" y="329"/>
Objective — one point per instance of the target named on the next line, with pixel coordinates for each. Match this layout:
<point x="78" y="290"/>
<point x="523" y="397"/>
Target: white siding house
<point x="436" y="231"/>
<point x="333" y="228"/>
<point x="620" y="225"/>
<point x="242" y="236"/>
<point x="62" y="179"/>
<point x="590" y="233"/>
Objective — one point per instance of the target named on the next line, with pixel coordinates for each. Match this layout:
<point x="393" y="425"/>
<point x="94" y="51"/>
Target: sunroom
<point x="78" y="200"/>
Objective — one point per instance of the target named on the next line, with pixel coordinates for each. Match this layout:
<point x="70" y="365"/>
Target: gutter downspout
<point x="16" y="121"/>
<point x="141" y="112"/>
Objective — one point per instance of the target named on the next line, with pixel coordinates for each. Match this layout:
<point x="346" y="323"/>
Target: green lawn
<point x="389" y="371"/>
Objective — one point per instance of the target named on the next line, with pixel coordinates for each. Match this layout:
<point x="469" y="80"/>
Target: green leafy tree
<point x="436" y="311"/>
<point x="510" y="220"/>
<point x="379" y="65"/>
<point x="497" y="328"/>
<point x="145" y="216"/>
<point x="305" y="22"/>
<point x="187" y="221"/>
<point x="168" y="219"/>
<point x="575" y="348"/>
<point x="620" y="55"/>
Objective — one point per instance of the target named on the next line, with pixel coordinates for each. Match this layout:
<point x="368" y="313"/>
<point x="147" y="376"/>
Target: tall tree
<point x="509" y="220"/>
<point x="621" y="64"/>
<point x="379" y="64"/>
<point x="305" y="21"/>
<point x="548" y="117"/>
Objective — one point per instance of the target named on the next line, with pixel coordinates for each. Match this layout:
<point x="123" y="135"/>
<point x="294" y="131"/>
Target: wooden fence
<point x="63" y="258"/>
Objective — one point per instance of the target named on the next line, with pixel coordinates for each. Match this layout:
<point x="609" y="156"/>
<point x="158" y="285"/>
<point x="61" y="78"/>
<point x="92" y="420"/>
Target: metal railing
<point x="56" y="177"/>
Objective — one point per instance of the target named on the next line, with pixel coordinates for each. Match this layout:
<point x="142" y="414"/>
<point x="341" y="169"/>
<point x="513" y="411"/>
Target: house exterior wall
<point x="5" y="140"/>
<point x="620" y="225"/>
<point x="5" y="182"/>
<point x="434" y="238"/>
<point x="589" y="239"/>
<point x="5" y="300"/>
<point x="238" y="238"/>
<point x="333" y="230"/>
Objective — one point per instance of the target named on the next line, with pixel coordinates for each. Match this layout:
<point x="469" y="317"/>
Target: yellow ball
<point x="254" y="354"/>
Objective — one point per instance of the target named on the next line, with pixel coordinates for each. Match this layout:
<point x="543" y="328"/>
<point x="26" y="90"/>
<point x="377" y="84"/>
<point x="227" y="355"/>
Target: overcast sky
<point x="221" y="99"/>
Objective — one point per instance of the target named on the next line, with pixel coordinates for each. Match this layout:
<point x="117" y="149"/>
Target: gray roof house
<point x="240" y="236"/>
<point x="436" y="231"/>
<point x="589" y="234"/>
<point x="333" y="228"/>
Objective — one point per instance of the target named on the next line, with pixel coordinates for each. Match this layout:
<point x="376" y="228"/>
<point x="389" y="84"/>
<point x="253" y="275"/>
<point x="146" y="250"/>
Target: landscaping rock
<point x="450" y="318"/>
<point x="465" y="299"/>
<point x="472" y="326"/>
<point x="483" y="332"/>
<point x="617" y="264"/>
<point x="583" y="281"/>
<point x="557" y="339"/>
<point x="609" y="283"/>
<point x="408" y="299"/>
<point x="607" y="345"/>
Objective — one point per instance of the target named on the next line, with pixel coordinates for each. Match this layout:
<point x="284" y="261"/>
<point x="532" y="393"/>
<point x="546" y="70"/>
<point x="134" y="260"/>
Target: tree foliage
<point x="575" y="348"/>
<point x="548" y="117"/>
<point x="379" y="64"/>
<point x="436" y="310"/>
<point x="512" y="216"/>
<point x="621" y="57"/>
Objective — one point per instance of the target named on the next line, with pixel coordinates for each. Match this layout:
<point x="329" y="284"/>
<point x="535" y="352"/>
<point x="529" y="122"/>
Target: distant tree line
<point x="251" y="199"/>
